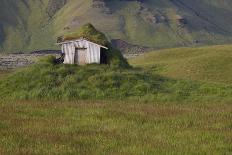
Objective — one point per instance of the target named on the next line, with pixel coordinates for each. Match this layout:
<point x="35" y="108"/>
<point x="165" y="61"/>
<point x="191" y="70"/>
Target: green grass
<point x="48" y="81"/>
<point x="88" y="31"/>
<point x="100" y="109"/>
<point x="124" y="111"/>
<point x="86" y="127"/>
<point x="208" y="64"/>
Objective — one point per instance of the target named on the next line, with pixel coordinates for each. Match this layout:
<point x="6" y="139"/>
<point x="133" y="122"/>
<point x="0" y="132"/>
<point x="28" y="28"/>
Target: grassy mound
<point x="48" y="81"/>
<point x="210" y="64"/>
<point x="88" y="31"/>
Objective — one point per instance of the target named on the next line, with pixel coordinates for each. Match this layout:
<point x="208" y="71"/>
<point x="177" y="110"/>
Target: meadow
<point x="92" y="127"/>
<point x="211" y="64"/>
<point x="147" y="109"/>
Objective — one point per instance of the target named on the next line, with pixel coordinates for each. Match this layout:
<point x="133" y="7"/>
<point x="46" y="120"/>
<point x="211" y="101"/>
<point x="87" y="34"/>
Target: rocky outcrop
<point x="13" y="61"/>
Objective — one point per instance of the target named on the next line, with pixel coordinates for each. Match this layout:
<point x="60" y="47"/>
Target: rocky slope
<point x="34" y="25"/>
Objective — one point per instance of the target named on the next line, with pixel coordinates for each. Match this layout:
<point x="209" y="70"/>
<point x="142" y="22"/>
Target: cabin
<point x="83" y="51"/>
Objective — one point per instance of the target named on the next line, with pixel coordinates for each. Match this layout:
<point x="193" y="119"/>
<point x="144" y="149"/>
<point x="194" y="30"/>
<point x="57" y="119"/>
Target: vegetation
<point x="88" y="31"/>
<point x="175" y="101"/>
<point x="114" y="110"/>
<point x="86" y="127"/>
<point x="208" y="64"/>
<point x="48" y="81"/>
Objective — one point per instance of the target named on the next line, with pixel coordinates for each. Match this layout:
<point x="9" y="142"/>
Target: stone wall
<point x="13" y="61"/>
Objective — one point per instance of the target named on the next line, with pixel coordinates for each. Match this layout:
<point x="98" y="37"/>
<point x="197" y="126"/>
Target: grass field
<point x="145" y="110"/>
<point x="86" y="127"/>
<point x="209" y="64"/>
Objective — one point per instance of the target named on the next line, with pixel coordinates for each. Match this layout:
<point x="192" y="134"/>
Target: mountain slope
<point x="210" y="64"/>
<point x="32" y="25"/>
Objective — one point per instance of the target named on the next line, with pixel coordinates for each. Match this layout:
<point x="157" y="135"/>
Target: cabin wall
<point x="93" y="54"/>
<point x="69" y="52"/>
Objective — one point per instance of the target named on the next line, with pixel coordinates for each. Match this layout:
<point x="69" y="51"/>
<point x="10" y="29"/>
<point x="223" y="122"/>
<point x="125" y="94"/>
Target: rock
<point x="13" y="61"/>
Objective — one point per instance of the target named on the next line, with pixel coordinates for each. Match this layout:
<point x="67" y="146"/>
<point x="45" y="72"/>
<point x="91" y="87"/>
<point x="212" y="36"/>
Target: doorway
<point x="80" y="57"/>
<point x="103" y="56"/>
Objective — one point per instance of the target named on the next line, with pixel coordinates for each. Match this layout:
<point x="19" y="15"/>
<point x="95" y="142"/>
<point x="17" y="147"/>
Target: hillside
<point x="211" y="64"/>
<point x="112" y="110"/>
<point x="32" y="25"/>
<point x="49" y="81"/>
<point x="167" y="99"/>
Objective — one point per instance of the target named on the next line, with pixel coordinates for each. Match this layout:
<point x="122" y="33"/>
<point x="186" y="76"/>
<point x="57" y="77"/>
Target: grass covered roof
<point x="89" y="32"/>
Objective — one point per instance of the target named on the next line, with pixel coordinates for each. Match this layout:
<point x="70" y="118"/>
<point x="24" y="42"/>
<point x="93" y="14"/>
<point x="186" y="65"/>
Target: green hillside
<point x="211" y="64"/>
<point x="49" y="81"/>
<point x="52" y="108"/>
<point x="34" y="25"/>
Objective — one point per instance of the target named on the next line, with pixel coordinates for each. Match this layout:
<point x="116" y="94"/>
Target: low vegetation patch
<point x="49" y="81"/>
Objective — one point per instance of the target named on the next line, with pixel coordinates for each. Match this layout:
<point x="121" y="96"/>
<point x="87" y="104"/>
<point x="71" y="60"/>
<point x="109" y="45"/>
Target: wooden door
<point x="80" y="56"/>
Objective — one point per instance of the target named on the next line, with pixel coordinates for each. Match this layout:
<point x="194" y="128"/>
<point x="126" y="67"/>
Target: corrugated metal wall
<point x="93" y="51"/>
